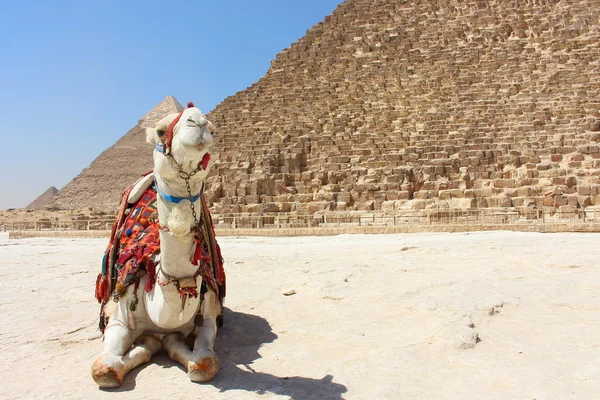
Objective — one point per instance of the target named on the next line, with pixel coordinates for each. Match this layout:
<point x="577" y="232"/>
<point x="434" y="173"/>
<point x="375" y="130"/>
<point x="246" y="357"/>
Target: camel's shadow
<point x="237" y="344"/>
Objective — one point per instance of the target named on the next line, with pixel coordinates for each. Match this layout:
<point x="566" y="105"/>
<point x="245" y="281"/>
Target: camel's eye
<point x="160" y="133"/>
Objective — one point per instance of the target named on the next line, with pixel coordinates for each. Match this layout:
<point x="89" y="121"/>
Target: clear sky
<point x="75" y="76"/>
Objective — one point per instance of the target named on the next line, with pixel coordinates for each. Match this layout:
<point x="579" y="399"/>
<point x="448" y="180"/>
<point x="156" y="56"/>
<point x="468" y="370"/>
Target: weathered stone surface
<point x="373" y="105"/>
<point x="392" y="108"/>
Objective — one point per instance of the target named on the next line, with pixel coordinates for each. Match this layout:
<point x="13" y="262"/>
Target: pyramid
<point x="100" y="185"/>
<point x="404" y="104"/>
<point x="43" y="199"/>
<point x="390" y="104"/>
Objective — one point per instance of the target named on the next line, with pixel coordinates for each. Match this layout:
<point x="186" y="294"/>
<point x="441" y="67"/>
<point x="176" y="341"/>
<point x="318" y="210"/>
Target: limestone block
<point x="505" y="202"/>
<point x="584" y="190"/>
<point x="571" y="181"/>
<point x="462" y="204"/>
<point x="324" y="197"/>
<point x="364" y="205"/>
<point x="483" y="192"/>
<point x="388" y="205"/>
<point x="421" y="194"/>
<point x="336" y="206"/>
<point x="251" y="199"/>
<point x="523" y="192"/>
<point x="444" y="195"/>
<point x="269" y="208"/>
<point x="305" y="198"/>
<point x="584" y="201"/>
<point x="253" y="208"/>
<point x="544" y="166"/>
<point x="417" y="204"/>
<point x="504" y="183"/>
<point x="343" y="197"/>
<point x="458" y="193"/>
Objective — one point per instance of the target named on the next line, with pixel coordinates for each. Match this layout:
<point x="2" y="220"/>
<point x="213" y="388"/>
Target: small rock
<point x="467" y="321"/>
<point x="289" y="292"/>
<point x="464" y="338"/>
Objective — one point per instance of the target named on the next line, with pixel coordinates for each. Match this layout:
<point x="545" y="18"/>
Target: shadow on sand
<point x="237" y="344"/>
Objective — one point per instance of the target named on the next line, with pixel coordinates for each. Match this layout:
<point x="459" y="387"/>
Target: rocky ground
<point x="498" y="315"/>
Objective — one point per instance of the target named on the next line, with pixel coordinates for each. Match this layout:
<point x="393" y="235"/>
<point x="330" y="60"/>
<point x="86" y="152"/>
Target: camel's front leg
<point x="202" y="363"/>
<point x="119" y="358"/>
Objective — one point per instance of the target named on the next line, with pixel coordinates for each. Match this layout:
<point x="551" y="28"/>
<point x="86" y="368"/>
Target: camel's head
<point x="185" y="136"/>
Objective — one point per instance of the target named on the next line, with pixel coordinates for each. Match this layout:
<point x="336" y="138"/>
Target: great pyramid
<point x="43" y="199"/>
<point x="391" y="104"/>
<point x="100" y="185"/>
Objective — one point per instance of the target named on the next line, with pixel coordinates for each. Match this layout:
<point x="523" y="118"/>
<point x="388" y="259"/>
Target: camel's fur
<point x="132" y="337"/>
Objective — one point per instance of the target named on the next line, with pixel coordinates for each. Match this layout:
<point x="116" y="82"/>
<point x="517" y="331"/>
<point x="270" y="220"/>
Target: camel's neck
<point x="177" y="237"/>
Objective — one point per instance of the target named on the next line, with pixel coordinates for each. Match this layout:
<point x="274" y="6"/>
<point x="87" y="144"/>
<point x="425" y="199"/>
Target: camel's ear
<point x="212" y="128"/>
<point x="159" y="134"/>
<point x="153" y="136"/>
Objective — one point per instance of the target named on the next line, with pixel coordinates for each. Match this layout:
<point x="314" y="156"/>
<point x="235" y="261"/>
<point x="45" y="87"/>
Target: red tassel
<point x="98" y="283"/>
<point x="151" y="270"/>
<point x="101" y="288"/>
<point x="197" y="252"/>
<point x="205" y="161"/>
<point x="190" y="104"/>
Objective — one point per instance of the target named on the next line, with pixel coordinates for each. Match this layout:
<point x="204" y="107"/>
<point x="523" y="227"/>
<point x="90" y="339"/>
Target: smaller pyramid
<point x="43" y="199"/>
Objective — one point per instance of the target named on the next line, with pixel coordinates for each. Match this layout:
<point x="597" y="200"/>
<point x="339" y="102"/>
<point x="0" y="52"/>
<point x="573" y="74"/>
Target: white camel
<point x="168" y="311"/>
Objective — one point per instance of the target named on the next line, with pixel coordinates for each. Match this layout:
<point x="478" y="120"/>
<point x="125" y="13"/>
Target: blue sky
<point x="75" y="76"/>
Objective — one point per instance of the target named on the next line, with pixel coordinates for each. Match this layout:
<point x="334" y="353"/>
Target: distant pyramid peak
<point x="169" y="105"/>
<point x="43" y="199"/>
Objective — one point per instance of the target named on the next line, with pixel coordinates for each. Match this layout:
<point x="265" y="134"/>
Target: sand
<point x="495" y="315"/>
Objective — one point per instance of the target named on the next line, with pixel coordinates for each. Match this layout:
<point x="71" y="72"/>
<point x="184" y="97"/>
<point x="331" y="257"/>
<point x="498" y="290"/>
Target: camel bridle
<point x="165" y="149"/>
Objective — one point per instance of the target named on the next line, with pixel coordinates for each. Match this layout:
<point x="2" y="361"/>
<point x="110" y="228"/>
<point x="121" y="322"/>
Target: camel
<point x="172" y="301"/>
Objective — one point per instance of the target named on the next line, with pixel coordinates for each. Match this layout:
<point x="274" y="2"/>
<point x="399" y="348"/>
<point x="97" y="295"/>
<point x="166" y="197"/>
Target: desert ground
<point x="494" y="315"/>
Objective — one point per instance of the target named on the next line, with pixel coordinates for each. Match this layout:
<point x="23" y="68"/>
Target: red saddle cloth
<point x="135" y="241"/>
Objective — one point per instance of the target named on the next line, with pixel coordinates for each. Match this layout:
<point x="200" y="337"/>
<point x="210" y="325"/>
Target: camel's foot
<point x="205" y="368"/>
<point x="108" y="371"/>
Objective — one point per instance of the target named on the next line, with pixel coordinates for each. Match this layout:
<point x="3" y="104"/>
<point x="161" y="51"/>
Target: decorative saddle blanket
<point x="134" y="247"/>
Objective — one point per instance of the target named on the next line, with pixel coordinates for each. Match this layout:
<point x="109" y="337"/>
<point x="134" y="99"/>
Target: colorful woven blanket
<point x="135" y="243"/>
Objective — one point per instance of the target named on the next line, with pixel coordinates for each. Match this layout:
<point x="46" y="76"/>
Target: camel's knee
<point x="108" y="371"/>
<point x="205" y="367"/>
<point x="170" y="342"/>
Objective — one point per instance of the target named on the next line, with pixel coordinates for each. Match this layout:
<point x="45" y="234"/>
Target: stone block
<point x="584" y="190"/>
<point x="251" y="199"/>
<point x="388" y="205"/>
<point x="505" y="202"/>
<point x="483" y="192"/>
<point x="523" y="192"/>
<point x="504" y="183"/>
<point x="584" y="201"/>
